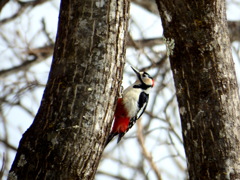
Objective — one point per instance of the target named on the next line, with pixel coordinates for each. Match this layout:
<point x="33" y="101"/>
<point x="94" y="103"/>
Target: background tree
<point x="206" y="85"/>
<point x="151" y="150"/>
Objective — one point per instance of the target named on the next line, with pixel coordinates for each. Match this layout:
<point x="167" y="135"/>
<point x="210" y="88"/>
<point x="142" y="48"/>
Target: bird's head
<point x="145" y="79"/>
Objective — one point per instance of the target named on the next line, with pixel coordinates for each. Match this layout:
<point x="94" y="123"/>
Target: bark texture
<point x="197" y="38"/>
<point x="67" y="136"/>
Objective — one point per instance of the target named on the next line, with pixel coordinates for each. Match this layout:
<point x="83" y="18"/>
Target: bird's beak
<point x="137" y="72"/>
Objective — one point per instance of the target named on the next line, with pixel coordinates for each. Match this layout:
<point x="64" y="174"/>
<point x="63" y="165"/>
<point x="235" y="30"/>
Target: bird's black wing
<point x="110" y="137"/>
<point x="142" y="104"/>
<point x="120" y="136"/>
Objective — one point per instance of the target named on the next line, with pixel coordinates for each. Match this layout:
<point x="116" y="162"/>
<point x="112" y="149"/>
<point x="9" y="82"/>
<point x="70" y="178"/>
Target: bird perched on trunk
<point x="132" y="105"/>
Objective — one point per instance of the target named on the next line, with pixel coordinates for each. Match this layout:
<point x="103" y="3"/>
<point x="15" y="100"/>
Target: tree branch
<point x="145" y="152"/>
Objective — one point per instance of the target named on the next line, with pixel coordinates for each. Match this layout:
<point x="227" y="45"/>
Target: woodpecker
<point x="132" y="105"/>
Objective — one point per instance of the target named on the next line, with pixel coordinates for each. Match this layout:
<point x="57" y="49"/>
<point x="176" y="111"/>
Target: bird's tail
<point x="110" y="137"/>
<point x="120" y="136"/>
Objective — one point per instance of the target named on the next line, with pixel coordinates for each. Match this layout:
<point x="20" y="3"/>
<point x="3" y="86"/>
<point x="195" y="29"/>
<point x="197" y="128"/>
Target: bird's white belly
<point x="130" y="101"/>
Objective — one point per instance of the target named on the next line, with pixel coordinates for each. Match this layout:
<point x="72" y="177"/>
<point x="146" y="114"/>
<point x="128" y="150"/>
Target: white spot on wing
<point x="141" y="110"/>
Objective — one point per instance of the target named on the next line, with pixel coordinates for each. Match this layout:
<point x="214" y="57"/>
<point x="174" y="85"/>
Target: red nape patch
<point x="121" y="120"/>
<point x="153" y="82"/>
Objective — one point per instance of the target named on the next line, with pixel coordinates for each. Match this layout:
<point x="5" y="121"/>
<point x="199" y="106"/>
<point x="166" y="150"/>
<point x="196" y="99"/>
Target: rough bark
<point x="207" y="91"/>
<point x="66" y="138"/>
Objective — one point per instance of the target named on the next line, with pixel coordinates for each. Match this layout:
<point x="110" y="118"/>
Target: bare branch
<point x="2" y="4"/>
<point x="37" y="55"/>
<point x="145" y="152"/>
<point x="23" y="6"/>
<point x="3" y="166"/>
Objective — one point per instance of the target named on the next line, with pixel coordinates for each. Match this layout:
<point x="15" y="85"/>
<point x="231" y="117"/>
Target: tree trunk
<point x="67" y="136"/>
<point x="207" y="91"/>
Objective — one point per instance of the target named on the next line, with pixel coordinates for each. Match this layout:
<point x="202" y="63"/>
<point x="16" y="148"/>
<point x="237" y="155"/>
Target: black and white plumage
<point x="132" y="105"/>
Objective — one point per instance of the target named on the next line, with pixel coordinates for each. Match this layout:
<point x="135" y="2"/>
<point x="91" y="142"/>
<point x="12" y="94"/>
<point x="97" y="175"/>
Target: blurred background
<point x="153" y="148"/>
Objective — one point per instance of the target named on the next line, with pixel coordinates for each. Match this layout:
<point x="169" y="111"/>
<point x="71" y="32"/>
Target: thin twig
<point x="3" y="166"/>
<point x="145" y="152"/>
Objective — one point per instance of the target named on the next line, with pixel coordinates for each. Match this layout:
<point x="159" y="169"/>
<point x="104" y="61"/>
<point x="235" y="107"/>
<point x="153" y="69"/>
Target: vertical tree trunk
<point x="207" y="90"/>
<point x="66" y="138"/>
